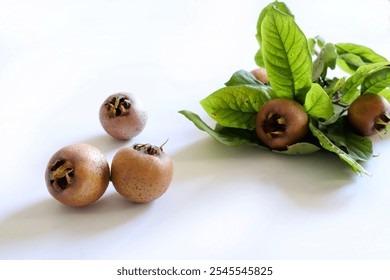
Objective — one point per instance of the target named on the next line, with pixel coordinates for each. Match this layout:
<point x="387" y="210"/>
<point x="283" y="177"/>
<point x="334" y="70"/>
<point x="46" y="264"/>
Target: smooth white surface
<point x="60" y="59"/>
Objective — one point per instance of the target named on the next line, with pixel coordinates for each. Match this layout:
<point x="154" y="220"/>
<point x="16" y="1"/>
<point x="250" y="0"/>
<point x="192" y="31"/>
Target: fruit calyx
<point x="61" y="174"/>
<point x="147" y="149"/>
<point x="274" y="125"/>
<point x="118" y="106"/>
<point x="381" y="121"/>
<point x="150" y="149"/>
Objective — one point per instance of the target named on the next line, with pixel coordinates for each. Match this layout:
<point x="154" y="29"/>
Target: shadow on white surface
<point x="50" y="218"/>
<point x="319" y="180"/>
<point x="105" y="143"/>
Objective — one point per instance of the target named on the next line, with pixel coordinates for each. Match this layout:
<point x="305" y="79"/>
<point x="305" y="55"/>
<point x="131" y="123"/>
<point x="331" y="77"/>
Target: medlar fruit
<point x="77" y="175"/>
<point x="260" y="75"/>
<point x="141" y="173"/>
<point x="369" y="114"/>
<point x="123" y="116"/>
<point x="281" y="122"/>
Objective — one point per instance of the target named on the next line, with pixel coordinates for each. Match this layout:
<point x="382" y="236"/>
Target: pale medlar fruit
<point x="123" y="116"/>
<point x="77" y="175"/>
<point x="142" y="172"/>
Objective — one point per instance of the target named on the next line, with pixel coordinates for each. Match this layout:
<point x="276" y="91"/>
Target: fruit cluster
<point x="79" y="174"/>
<point x="290" y="105"/>
<point x="283" y="122"/>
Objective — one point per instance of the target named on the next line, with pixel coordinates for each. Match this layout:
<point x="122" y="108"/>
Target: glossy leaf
<point x="318" y="103"/>
<point x="349" y="62"/>
<point x="358" y="147"/>
<point x="366" y="54"/>
<point x="237" y="137"/>
<point x="385" y="93"/>
<point x="376" y="81"/>
<point x="326" y="59"/>
<point x="286" y="55"/>
<point x="281" y="6"/>
<point x="327" y="144"/>
<point x="301" y="148"/>
<point x="352" y="85"/>
<point x="232" y="137"/>
<point x="236" y="106"/>
<point x="259" y="59"/>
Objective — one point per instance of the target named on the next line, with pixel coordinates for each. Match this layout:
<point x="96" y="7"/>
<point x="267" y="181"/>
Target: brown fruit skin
<point x="127" y="126"/>
<point x="90" y="178"/>
<point x="364" y="111"/>
<point x="140" y="177"/>
<point x="295" y="120"/>
<point x="260" y="75"/>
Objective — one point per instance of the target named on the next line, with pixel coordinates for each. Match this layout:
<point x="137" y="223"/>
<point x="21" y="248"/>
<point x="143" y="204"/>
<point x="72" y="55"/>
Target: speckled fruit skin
<point x="91" y="175"/>
<point x="124" y="127"/>
<point x="363" y="112"/>
<point x="139" y="177"/>
<point x="296" y="121"/>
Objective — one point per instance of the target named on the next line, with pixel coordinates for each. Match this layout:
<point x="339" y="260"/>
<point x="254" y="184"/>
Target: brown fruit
<point x="260" y="75"/>
<point x="369" y="114"/>
<point x="77" y="175"/>
<point x="141" y="173"/>
<point x="281" y="122"/>
<point x="122" y="115"/>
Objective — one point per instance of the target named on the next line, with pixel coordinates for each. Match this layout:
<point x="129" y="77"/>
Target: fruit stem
<point x="161" y="147"/>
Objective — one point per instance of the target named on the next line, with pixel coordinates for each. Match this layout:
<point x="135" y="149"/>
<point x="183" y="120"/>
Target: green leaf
<point x="327" y="144"/>
<point x="320" y="41"/>
<point x="318" y="103"/>
<point x="351" y="88"/>
<point x="318" y="68"/>
<point x="259" y="58"/>
<point x="237" y="106"/>
<point x="326" y="59"/>
<point x="242" y="77"/>
<point x="230" y="137"/>
<point x="385" y="93"/>
<point x="334" y="86"/>
<point x="281" y="6"/>
<point x="367" y="55"/>
<point x="358" y="147"/>
<point x="237" y="136"/>
<point x="349" y="62"/>
<point x="301" y="148"/>
<point x="311" y="43"/>
<point x="376" y="81"/>
<point x="338" y="111"/>
<point x="286" y="55"/>
<point x="315" y="42"/>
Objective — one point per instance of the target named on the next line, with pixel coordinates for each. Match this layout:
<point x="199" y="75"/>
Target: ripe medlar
<point x="281" y="122"/>
<point x="141" y="173"/>
<point x="123" y="116"/>
<point x="77" y="175"/>
<point x="369" y="114"/>
<point x="260" y="75"/>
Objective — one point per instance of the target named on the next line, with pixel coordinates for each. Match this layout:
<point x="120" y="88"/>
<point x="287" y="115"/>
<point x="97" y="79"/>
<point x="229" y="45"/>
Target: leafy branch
<point x="298" y="69"/>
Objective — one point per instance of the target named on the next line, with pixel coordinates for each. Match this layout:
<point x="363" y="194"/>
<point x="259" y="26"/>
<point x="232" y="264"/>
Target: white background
<point x="59" y="60"/>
